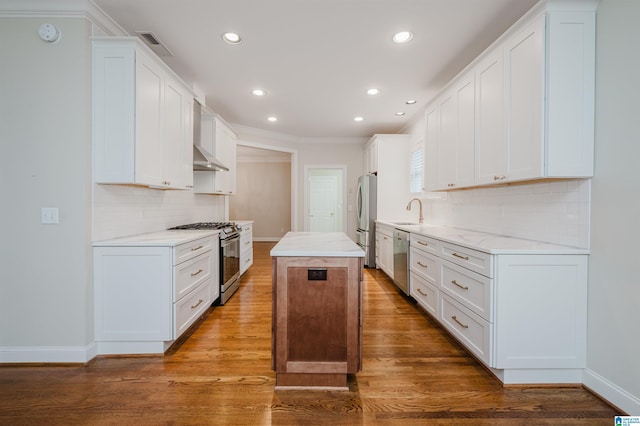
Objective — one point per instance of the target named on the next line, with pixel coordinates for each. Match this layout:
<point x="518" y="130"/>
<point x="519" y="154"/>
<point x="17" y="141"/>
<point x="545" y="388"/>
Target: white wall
<point x="313" y="152"/>
<point x="45" y="155"/>
<point x="555" y="212"/>
<point x="123" y="210"/>
<point x="264" y="196"/>
<point x="614" y="287"/>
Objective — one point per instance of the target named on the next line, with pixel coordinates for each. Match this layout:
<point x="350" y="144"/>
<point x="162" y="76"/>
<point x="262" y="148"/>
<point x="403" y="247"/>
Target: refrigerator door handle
<point x="359" y="201"/>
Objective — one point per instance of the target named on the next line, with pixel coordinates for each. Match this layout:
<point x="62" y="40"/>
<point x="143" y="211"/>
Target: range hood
<point x="203" y="160"/>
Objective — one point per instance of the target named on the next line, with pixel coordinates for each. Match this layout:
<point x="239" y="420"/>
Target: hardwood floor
<point x="413" y="373"/>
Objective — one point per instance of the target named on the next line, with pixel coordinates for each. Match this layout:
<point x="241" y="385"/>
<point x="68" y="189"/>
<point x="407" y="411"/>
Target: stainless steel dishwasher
<point x="401" y="260"/>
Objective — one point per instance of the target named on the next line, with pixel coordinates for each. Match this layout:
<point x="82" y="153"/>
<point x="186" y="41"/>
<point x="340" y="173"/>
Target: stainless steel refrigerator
<point x="366" y="200"/>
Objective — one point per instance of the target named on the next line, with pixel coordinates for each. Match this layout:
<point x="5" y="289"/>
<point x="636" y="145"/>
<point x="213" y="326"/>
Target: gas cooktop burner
<point x="206" y="225"/>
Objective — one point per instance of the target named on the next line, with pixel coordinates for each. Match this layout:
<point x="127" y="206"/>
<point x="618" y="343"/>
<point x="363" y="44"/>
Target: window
<point x="415" y="171"/>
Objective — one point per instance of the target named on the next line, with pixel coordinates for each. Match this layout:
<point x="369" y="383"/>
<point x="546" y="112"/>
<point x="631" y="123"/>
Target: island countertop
<point x="316" y="244"/>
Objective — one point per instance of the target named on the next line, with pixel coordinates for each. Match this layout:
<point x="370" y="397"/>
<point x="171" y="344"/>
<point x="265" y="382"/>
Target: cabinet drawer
<point x="425" y="294"/>
<point x="246" y="260"/>
<point x="475" y="260"/>
<point x="246" y="241"/>
<point x="424" y="243"/>
<point x="468" y="328"/>
<point x="188" y="275"/>
<point x="425" y="265"/>
<point x="192" y="249"/>
<point x="187" y="310"/>
<point x="473" y="290"/>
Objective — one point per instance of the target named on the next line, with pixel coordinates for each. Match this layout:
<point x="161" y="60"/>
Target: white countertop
<point x="317" y="244"/>
<point x="160" y="238"/>
<point x="488" y="243"/>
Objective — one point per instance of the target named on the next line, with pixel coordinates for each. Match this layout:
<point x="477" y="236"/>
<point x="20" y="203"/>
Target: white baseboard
<point x="611" y="392"/>
<point x="48" y="354"/>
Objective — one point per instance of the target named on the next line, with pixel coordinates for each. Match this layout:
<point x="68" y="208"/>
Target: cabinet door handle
<point x="196" y="248"/>
<point x="464" y="287"/>
<point x="193" y="274"/>
<point x="422" y="264"/>
<point x="247" y="260"/>
<point x="197" y="304"/>
<point x="423" y="243"/>
<point x="422" y="292"/>
<point x="460" y="256"/>
<point x="501" y="177"/>
<point x="459" y="323"/>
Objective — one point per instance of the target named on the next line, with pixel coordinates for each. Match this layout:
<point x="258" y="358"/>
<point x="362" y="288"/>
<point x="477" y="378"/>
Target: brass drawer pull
<point x="196" y="248"/>
<point x="193" y="274"/>
<point x="422" y="264"/>
<point x="197" y="304"/>
<point x="460" y="256"/>
<point x="422" y="293"/>
<point x="464" y="287"/>
<point x="461" y="324"/>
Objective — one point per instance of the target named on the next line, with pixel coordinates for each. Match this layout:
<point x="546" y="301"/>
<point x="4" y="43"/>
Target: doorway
<point x="325" y="194"/>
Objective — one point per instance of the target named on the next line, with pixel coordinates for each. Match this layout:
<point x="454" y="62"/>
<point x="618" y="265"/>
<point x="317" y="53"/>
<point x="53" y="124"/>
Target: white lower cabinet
<point x="384" y="249"/>
<point x="522" y="315"/>
<point x="246" y="247"/>
<point x="147" y="296"/>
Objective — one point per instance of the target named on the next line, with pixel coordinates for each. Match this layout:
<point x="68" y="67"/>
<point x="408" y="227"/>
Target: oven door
<point x="229" y="266"/>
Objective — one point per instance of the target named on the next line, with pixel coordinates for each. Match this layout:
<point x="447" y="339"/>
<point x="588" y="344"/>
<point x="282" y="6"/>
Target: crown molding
<point x="62" y="9"/>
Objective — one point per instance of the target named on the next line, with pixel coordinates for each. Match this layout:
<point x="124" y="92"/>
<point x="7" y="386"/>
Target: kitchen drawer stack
<point x="522" y="315"/>
<point x="246" y="247"/>
<point x="147" y="296"/>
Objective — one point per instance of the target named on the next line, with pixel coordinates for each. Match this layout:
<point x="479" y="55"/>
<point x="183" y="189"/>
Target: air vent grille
<point x="154" y="43"/>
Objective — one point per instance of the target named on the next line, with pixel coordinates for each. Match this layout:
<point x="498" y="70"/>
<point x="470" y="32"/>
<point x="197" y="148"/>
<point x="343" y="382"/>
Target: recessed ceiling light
<point x="373" y="91"/>
<point x="272" y="119"/>
<point x="258" y="92"/>
<point x="410" y="102"/>
<point x="402" y="37"/>
<point x="399" y="113"/>
<point x="232" y="38"/>
<point x="358" y="118"/>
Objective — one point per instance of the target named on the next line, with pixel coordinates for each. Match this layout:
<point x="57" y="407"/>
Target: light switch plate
<point x="49" y="215"/>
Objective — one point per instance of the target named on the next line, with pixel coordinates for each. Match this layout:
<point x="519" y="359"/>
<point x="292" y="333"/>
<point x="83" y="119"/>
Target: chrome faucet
<point x="420" y="219"/>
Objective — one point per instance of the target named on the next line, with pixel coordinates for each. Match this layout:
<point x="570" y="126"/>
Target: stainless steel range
<point x="229" y="255"/>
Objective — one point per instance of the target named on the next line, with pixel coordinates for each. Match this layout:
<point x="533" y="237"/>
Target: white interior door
<point x="323" y="203"/>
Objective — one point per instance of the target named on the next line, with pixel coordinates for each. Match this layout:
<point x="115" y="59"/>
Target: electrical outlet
<point x="49" y="215"/>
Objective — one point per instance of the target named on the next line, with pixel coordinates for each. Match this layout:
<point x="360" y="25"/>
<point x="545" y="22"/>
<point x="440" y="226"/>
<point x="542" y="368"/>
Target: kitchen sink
<point x="404" y="223"/>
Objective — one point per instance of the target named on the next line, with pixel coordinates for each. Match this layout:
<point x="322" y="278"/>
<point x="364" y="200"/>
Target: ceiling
<point x="317" y="58"/>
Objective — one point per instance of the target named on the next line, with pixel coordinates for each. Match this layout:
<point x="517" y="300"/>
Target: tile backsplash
<point x="555" y="212"/>
<point x="124" y="210"/>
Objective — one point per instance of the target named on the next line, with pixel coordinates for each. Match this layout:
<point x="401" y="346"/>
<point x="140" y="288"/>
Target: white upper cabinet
<point x="142" y="130"/>
<point x="371" y="157"/>
<point x="524" y="109"/>
<point x="218" y="139"/>
<point x="524" y="79"/>
<point x="491" y="143"/>
<point x="450" y="136"/>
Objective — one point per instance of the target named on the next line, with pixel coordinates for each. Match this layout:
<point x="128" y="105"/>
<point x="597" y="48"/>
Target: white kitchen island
<point x="317" y="309"/>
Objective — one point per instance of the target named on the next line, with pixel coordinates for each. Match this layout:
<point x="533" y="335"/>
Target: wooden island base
<point x="311" y="380"/>
<point x="316" y="318"/>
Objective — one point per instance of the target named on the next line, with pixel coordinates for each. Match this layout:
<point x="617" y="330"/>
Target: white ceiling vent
<point x="154" y="43"/>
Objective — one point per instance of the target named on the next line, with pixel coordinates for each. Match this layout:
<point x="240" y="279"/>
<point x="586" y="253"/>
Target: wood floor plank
<point x="413" y="373"/>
